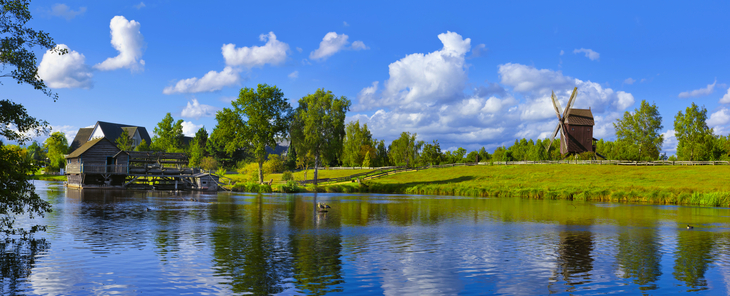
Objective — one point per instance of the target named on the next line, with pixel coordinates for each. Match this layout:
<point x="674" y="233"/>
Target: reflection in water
<point x="639" y="258"/>
<point x="18" y="259"/>
<point x="108" y="242"/>
<point x="693" y="255"/>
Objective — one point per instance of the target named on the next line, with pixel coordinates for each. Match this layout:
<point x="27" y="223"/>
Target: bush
<point x="208" y="163"/>
<point x="286" y="176"/>
<point x="274" y="164"/>
<point x="220" y="172"/>
<point x="291" y="186"/>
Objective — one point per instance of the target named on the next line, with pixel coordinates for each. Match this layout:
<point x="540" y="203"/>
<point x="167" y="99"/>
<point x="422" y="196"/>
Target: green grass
<point x="322" y="174"/>
<point x="48" y="177"/>
<point x="695" y="185"/>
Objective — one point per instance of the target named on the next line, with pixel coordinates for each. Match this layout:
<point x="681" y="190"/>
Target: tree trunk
<point x="261" y="172"/>
<point x="316" y="167"/>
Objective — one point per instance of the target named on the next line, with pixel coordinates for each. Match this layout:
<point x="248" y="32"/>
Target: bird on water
<point x="690" y="227"/>
<point x="322" y="207"/>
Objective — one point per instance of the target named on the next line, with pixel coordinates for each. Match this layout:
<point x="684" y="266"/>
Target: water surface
<point x="162" y="243"/>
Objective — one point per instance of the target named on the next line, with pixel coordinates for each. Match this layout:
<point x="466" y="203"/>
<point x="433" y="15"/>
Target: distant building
<point x="110" y="131"/>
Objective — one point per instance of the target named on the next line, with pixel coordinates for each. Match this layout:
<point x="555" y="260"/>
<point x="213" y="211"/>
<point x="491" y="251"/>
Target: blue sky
<point x="469" y="75"/>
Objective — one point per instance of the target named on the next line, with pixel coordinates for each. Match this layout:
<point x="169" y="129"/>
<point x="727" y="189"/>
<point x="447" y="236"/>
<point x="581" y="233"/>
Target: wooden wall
<point x="582" y="134"/>
<point x="97" y="155"/>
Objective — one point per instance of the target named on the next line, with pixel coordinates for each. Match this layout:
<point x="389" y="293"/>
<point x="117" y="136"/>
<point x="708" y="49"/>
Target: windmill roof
<point x="580" y="117"/>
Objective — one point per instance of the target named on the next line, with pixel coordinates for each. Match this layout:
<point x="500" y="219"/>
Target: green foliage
<point x="15" y="123"/>
<point x="290" y="162"/>
<point x="221" y="172"/>
<point x="431" y="154"/>
<point x="16" y="45"/>
<point x="287" y="176"/>
<point x="196" y="149"/>
<point x="142" y="146"/>
<point x="37" y="154"/>
<point x="404" y="151"/>
<point x="215" y="147"/>
<point x="639" y="133"/>
<point x="259" y="117"/>
<point x="318" y="126"/>
<point x="57" y="147"/>
<point x="17" y="193"/>
<point x="696" y="139"/>
<point x="124" y="142"/>
<point x="366" y="160"/>
<point x="358" y="142"/>
<point x="273" y="165"/>
<point x="168" y="135"/>
<point x="208" y="163"/>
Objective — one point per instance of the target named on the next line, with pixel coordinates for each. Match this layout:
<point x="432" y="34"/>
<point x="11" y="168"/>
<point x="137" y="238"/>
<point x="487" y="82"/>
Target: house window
<point x="572" y="128"/>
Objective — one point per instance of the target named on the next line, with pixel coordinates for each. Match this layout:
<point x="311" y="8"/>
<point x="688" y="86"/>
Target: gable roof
<point x="86" y="147"/>
<point x="580" y="117"/>
<point x="82" y="136"/>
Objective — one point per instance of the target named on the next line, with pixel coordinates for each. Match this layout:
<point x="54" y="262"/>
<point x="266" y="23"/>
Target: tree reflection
<point x="639" y="257"/>
<point x="574" y="256"/>
<point x="18" y="258"/>
<point x="692" y="257"/>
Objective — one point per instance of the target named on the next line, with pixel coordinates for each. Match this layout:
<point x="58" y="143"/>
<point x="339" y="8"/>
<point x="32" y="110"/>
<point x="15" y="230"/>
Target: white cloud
<point x="670" y="143"/>
<point x="211" y="81"/>
<point x="65" y="71"/>
<point x="140" y="5"/>
<point x="479" y="50"/>
<point x="425" y="94"/>
<point x="589" y="53"/>
<point x="273" y="52"/>
<point x="128" y="40"/>
<point x="294" y="75"/>
<point x="699" y="92"/>
<point x="197" y="110"/>
<point x="726" y="98"/>
<point x="62" y="10"/>
<point x="629" y="81"/>
<point x="331" y="44"/>
<point x="359" y="45"/>
<point x="228" y="99"/>
<point x="299" y="49"/>
<point x="189" y="128"/>
<point x="718" y="118"/>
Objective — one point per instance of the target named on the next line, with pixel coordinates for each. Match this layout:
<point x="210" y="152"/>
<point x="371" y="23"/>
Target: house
<point x="110" y="131"/>
<point x="206" y="181"/>
<point x="97" y="163"/>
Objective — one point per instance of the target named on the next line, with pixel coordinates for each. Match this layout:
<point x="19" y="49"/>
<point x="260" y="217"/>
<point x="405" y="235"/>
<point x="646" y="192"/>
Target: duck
<point x="322" y="207"/>
<point x="690" y="227"/>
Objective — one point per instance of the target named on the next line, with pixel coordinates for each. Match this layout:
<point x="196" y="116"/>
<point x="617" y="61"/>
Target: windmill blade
<point x="570" y="102"/>
<point x="553" y="137"/>
<point x="564" y="137"/>
<point x="556" y="103"/>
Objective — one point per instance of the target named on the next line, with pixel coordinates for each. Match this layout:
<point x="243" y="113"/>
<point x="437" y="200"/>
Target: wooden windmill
<point x="575" y="127"/>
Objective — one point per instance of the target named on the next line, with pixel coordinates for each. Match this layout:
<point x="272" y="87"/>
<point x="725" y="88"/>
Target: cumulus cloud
<point x="65" y="71"/>
<point x="211" y="81"/>
<point x="726" y="98"/>
<point x="62" y="10"/>
<point x="196" y="110"/>
<point x="589" y="53"/>
<point x="333" y="43"/>
<point x="294" y="75"/>
<point x="629" y="81"/>
<point x="273" y="52"/>
<point x="128" y="41"/>
<point x="189" y="128"/>
<point x="720" y="117"/>
<point x="698" y="92"/>
<point x="427" y="94"/>
<point x="670" y="143"/>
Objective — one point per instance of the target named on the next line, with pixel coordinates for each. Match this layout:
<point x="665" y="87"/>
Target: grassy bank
<point x="298" y="175"/>
<point x="48" y="177"/>
<point x="697" y="185"/>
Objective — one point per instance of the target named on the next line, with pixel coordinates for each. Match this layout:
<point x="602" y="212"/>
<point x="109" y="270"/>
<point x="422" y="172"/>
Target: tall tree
<point x="124" y="142"/>
<point x="57" y="147"/>
<point x="695" y="138"/>
<point x="356" y="137"/>
<point x="168" y="135"/>
<point x="640" y="132"/>
<point x="318" y="126"/>
<point x="258" y="119"/>
<point x="404" y="150"/>
<point x="431" y="154"/>
<point x="17" y="193"/>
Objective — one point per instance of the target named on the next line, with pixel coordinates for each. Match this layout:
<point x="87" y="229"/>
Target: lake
<point x="163" y="243"/>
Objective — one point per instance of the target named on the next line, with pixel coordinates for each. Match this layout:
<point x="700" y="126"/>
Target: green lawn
<point x="322" y="174"/>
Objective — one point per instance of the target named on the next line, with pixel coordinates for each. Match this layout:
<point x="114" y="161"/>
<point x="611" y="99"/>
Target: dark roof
<point x="86" y="147"/>
<point x="81" y="137"/>
<point x="580" y="117"/>
<point x="112" y="131"/>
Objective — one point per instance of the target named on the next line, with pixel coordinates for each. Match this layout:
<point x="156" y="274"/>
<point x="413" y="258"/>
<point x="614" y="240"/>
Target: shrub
<point x="274" y="164"/>
<point x="287" y="176"/>
<point x="208" y="163"/>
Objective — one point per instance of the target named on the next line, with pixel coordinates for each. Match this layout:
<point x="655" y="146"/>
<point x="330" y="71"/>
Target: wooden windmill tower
<point x="575" y="127"/>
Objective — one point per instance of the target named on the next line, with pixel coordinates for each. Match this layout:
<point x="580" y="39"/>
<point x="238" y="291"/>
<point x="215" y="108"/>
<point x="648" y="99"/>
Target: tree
<point x="124" y="142"/>
<point x="36" y="153"/>
<point x="366" y="160"/>
<point x="319" y="126"/>
<point x="196" y="151"/>
<point x="695" y="138"/>
<point x="259" y="117"/>
<point x="142" y="146"/>
<point x="57" y="147"/>
<point x="168" y="135"/>
<point x="208" y="163"/>
<point x="17" y="42"/>
<point x="404" y="150"/>
<point x="640" y="132"/>
<point x="431" y="153"/>
<point x="355" y="138"/>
